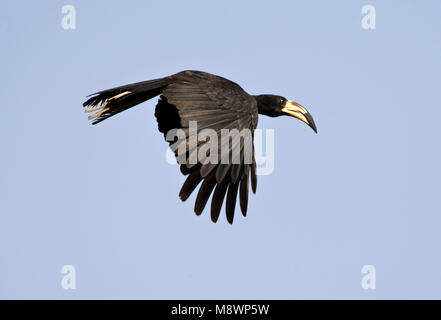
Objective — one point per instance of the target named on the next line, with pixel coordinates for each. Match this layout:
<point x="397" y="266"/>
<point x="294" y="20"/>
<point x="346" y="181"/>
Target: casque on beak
<point x="297" y="111"/>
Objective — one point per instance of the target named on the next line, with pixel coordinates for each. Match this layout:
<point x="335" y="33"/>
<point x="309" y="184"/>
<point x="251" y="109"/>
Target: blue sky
<point x="364" y="191"/>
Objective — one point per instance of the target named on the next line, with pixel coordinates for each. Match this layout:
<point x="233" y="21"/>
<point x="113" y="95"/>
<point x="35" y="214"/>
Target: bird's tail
<point x="107" y="103"/>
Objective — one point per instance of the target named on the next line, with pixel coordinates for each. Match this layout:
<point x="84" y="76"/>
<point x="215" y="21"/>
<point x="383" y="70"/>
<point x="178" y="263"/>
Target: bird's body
<point x="212" y="103"/>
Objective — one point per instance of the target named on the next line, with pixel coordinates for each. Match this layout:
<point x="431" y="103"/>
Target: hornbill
<point x="213" y="103"/>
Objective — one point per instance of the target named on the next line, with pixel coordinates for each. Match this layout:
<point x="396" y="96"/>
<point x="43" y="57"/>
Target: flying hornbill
<point x="215" y="103"/>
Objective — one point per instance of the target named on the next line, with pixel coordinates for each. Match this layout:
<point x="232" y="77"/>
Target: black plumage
<point x="215" y="103"/>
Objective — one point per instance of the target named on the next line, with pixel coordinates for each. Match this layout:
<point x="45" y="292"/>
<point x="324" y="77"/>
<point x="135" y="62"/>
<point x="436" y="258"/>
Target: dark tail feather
<point x="109" y="102"/>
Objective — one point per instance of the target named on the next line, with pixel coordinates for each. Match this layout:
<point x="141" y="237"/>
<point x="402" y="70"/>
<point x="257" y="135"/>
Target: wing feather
<point x="215" y="103"/>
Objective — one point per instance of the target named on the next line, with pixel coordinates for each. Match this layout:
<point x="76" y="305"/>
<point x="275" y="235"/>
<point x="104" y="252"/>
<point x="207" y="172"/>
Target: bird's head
<point x="275" y="106"/>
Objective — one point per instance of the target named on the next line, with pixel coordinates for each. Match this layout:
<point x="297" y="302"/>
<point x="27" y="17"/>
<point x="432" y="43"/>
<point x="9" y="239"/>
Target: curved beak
<point x="297" y="111"/>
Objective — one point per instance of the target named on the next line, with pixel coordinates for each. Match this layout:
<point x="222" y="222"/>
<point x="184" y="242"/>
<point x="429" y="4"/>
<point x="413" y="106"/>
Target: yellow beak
<point x="297" y="111"/>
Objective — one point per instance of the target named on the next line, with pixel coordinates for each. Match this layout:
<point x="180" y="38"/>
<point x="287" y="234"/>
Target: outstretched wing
<point x="211" y="102"/>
